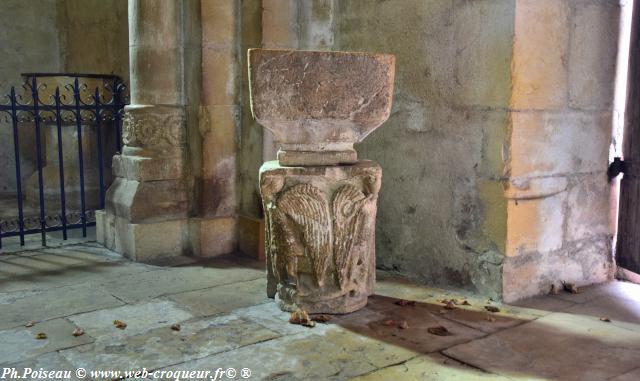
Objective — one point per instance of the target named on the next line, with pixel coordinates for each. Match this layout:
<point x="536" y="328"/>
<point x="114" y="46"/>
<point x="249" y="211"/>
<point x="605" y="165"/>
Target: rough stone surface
<point x="540" y="348"/>
<point x="430" y="368"/>
<point x="539" y="54"/>
<point x="320" y="101"/>
<point x="320" y="237"/>
<point x="387" y="339"/>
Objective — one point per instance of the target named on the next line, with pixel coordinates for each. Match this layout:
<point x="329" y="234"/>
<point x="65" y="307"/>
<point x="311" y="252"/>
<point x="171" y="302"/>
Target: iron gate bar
<point x="16" y="148"/>
<point x="36" y="115"/>
<point x="117" y="88"/>
<point x="76" y="96"/>
<point x="99" y="137"/>
<point x="63" y="209"/>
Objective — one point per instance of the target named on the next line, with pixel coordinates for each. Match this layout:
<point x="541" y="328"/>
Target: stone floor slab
<point x="222" y="299"/>
<point x="634" y="375"/>
<point x="20" y="344"/>
<point x="18" y="308"/>
<point x="382" y="321"/>
<point x="176" y="280"/>
<point x="558" y="346"/>
<point x="430" y="368"/>
<point x="614" y="289"/>
<point x="326" y="352"/>
<point x="46" y="270"/>
<point x="138" y="317"/>
<point x="162" y="346"/>
<point x="622" y="312"/>
<point x="48" y="361"/>
<point x="548" y="303"/>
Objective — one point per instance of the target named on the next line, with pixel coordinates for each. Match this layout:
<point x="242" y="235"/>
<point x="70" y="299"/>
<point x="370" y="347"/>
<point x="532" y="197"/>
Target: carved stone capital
<point x="155" y="128"/>
<point x="320" y="235"/>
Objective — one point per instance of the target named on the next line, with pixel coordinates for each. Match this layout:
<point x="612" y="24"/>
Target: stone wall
<point x="495" y="153"/>
<point x="561" y="111"/>
<point x="88" y="36"/>
<point x="29" y="43"/>
<point x="441" y="215"/>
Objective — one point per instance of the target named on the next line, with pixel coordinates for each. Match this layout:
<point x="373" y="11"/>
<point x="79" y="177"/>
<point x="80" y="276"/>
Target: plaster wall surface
<point x="442" y="216"/>
<point x="29" y="43"/>
<point x="55" y="36"/>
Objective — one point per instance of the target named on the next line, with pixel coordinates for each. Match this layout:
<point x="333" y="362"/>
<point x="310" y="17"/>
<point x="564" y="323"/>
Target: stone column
<point x="148" y="205"/>
<point x="319" y="200"/>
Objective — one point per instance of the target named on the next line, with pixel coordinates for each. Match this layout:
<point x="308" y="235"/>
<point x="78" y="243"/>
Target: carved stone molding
<point x="154" y="126"/>
<point x="320" y="235"/>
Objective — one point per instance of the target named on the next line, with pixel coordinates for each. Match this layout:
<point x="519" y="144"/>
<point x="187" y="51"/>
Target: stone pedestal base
<point x="153" y="241"/>
<point x="320" y="235"/>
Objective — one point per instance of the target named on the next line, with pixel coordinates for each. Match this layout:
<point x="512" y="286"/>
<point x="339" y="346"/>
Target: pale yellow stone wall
<point x="559" y="205"/>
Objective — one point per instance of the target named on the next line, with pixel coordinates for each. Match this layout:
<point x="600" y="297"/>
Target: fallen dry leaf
<point x="78" y="332"/>
<point x="120" y="324"/>
<point x="321" y="318"/>
<point x="403" y="325"/>
<point x="301" y="317"/>
<point x="570" y="287"/>
<point x="41" y="336"/>
<point x="30" y="323"/>
<point x="605" y="319"/>
<point x="175" y="327"/>
<point x="492" y="308"/>
<point x="389" y="323"/>
<point x="404" y="303"/>
<point x="439" y="331"/>
<point x="450" y="305"/>
<point x="553" y="290"/>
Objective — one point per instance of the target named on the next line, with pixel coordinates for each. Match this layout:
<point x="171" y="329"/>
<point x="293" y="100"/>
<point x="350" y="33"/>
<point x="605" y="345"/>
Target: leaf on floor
<point x="119" y="324"/>
<point x="301" y="317"/>
<point x="449" y="304"/>
<point x="30" y="323"/>
<point x="605" y="319"/>
<point x="389" y="323"/>
<point x="492" y="308"/>
<point x="405" y="303"/>
<point x="78" y="332"/>
<point x="439" y="331"/>
<point x="403" y="325"/>
<point x="570" y="287"/>
<point x="41" y="336"/>
<point x="176" y="327"/>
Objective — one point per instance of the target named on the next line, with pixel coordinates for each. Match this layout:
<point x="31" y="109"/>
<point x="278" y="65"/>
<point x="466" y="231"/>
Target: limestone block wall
<point x="442" y="215"/>
<point x="495" y="154"/>
<point x="559" y="206"/>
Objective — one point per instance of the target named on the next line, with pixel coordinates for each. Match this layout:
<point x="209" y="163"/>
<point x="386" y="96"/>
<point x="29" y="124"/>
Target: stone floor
<point x="227" y="322"/>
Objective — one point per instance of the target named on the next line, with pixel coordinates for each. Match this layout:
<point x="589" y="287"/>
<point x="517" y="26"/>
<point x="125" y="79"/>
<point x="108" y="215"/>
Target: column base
<point x="320" y="235"/>
<point x="153" y="241"/>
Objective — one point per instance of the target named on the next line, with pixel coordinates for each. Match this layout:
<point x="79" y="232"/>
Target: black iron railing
<point x="79" y="104"/>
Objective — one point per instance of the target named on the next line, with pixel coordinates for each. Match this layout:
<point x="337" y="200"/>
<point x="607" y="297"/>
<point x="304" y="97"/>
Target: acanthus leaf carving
<point x="153" y="129"/>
